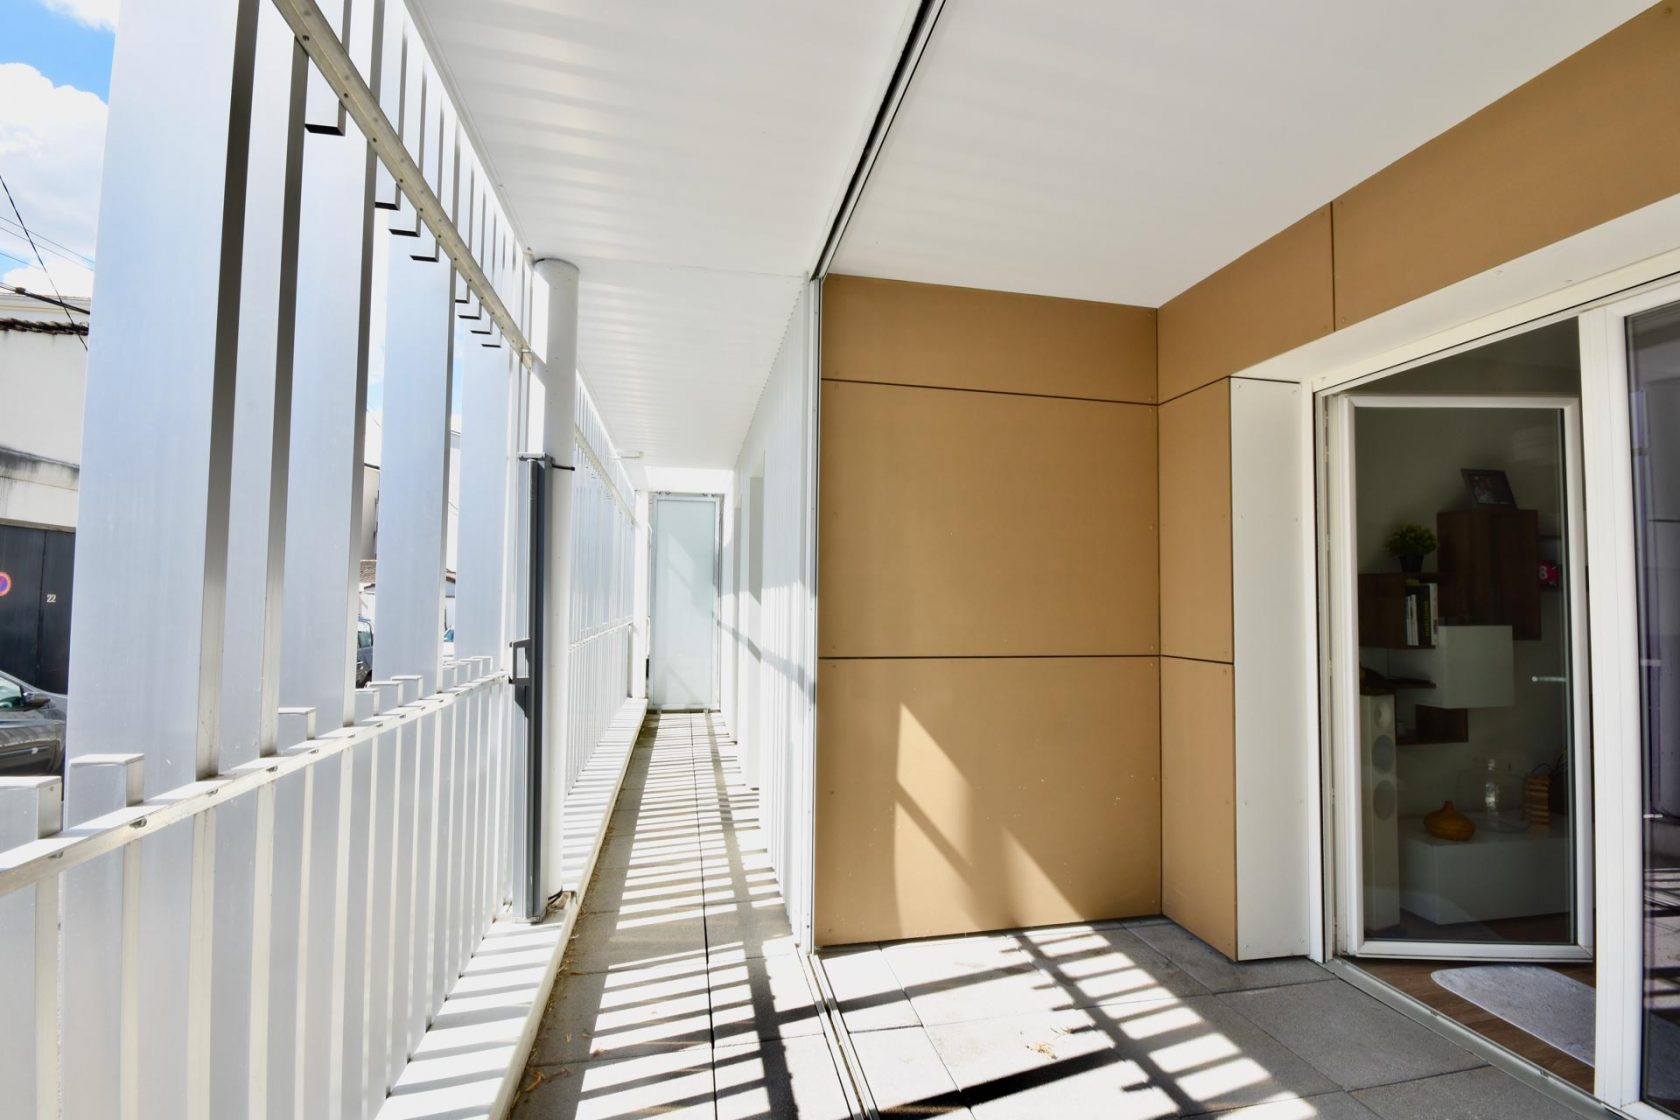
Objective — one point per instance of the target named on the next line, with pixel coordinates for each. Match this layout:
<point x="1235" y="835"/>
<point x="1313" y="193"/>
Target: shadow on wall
<point x="958" y="795"/>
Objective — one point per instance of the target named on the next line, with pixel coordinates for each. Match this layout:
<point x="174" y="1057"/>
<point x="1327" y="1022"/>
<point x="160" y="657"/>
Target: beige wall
<point x="988" y="740"/>
<point x="1584" y="142"/>
<point x="1015" y="690"/>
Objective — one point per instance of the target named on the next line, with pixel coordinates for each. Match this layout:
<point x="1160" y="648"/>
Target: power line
<point x="66" y="304"/>
<point x="44" y="270"/>
<point x="63" y="250"/>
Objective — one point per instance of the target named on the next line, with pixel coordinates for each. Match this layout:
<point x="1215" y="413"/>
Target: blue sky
<point x="55" y="74"/>
<point x="57" y="44"/>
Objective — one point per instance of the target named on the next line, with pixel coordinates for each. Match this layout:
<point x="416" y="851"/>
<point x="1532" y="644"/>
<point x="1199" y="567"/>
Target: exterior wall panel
<point x="1273" y="298"/>
<point x="988" y="736"/>
<point x="966" y="338"/>
<point x="1590" y="139"/>
<point x="956" y="795"/>
<point x="1198" y="800"/>
<point x="963" y="524"/>
<point x="1196" y="524"/>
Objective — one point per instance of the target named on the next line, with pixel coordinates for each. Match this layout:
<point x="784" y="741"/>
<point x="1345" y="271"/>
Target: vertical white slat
<point x="358" y="912"/>
<point x="95" y="946"/>
<point x="402" y="927"/>
<point x="382" y="896"/>
<point x="30" y="808"/>
<point x="458" y="807"/>
<point x="449" y="822"/>
<point x="425" y="872"/>
<point x="200" y="964"/>
<point x="480" y="713"/>
<point x="473" y="790"/>
<point x="282" y="863"/>
<point x="322" y="1043"/>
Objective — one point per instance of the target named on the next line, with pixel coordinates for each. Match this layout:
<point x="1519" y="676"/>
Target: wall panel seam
<point x="988" y="392"/>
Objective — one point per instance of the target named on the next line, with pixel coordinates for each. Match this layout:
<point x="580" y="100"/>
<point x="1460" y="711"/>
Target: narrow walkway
<point x="681" y="995"/>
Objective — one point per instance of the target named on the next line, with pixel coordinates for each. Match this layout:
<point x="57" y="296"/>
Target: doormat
<point x="1554" y="1008"/>
<point x="1558" y="1010"/>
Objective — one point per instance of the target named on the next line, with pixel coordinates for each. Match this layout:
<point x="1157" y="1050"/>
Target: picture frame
<point x="1488" y="488"/>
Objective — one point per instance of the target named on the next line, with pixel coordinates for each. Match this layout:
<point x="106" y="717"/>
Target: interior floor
<point x="682" y="994"/>
<point x="1415" y="978"/>
<point x="1541" y="929"/>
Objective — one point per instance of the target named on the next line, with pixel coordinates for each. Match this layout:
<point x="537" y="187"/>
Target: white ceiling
<point x="689" y="158"/>
<point x="1121" y="150"/>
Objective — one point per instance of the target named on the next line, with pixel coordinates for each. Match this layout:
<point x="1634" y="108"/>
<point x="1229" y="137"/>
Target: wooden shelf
<point x="1382" y="608"/>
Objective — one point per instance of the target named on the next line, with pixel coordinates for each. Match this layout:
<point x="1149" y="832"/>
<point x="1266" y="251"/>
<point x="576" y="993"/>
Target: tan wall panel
<point x="961" y="524"/>
<point x="927" y="334"/>
<point x="1196" y="524"/>
<point x="1198" y="801"/>
<point x="1273" y="298"/>
<point x="1594" y="137"/>
<point x="963" y="795"/>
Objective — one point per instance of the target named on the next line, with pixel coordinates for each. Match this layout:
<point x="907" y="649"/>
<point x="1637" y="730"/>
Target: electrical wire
<point x="44" y="270"/>
<point x="66" y="304"/>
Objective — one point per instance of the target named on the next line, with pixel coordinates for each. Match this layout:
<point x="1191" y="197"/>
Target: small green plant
<point x="1411" y="540"/>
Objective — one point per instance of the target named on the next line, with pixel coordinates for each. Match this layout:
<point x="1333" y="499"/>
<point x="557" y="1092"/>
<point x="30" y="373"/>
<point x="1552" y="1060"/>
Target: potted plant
<point x="1411" y="543"/>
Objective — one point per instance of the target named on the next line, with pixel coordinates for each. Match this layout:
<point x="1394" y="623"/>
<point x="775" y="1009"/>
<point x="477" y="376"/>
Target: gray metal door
<point x="682" y="670"/>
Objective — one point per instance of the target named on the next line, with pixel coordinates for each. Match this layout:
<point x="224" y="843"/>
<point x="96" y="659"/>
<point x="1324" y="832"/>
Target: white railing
<point x="602" y="592"/>
<point x="380" y="861"/>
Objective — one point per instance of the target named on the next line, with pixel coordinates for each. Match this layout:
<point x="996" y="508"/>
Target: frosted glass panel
<point x="683" y="653"/>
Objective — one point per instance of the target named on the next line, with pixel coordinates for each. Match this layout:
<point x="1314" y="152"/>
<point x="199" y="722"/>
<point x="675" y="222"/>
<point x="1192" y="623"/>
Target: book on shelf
<point x="1423" y="610"/>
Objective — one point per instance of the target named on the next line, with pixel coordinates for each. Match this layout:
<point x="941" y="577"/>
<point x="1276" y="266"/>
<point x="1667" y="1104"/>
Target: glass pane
<point x="1654" y="363"/>
<point x="1466" y="795"/>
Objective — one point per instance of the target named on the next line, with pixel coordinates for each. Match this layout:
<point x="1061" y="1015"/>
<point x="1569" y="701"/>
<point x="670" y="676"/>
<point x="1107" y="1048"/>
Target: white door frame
<point x="1617" y="727"/>
<point x="1342" y="565"/>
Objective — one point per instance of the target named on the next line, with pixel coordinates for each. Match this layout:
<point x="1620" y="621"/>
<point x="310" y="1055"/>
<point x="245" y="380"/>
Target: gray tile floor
<point x="681" y="996"/>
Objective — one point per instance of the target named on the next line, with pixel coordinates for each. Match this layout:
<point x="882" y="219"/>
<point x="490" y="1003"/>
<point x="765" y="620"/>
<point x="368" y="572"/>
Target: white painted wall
<point x="43" y="382"/>
<point x="769" y="639"/>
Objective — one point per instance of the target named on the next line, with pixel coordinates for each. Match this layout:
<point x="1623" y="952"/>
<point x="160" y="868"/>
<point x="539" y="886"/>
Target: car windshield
<point x="364" y="636"/>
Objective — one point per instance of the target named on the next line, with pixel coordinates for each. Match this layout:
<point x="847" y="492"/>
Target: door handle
<point x="1549" y="680"/>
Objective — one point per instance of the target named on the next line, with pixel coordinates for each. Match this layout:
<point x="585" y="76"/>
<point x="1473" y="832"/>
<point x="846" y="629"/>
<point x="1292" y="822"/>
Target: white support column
<point x="559" y="374"/>
<point x="158" y="422"/>
<point x="414" y="470"/>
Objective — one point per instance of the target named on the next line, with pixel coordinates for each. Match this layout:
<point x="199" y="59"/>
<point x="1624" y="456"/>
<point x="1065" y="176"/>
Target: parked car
<point x="364" y="652"/>
<point x="449" y="644"/>
<point x="31" y="728"/>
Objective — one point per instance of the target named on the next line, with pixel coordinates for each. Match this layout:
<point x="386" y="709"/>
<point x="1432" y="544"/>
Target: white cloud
<point x="52" y="145"/>
<point x="94" y="13"/>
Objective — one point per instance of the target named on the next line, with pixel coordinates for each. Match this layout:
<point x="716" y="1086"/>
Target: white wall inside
<point x="769" y="647"/>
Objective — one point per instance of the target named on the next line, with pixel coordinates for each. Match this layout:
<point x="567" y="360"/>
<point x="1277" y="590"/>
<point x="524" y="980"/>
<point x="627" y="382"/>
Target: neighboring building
<point x="43" y="378"/>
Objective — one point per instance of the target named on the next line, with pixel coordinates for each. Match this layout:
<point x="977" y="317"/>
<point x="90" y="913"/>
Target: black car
<point x="31" y="729"/>
<point x="364" y="652"/>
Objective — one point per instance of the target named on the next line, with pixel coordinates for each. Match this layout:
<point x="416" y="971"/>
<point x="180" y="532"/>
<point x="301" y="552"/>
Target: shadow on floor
<point x="681" y="995"/>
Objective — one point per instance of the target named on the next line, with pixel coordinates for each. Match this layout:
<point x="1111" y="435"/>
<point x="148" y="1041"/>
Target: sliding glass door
<point x="1633" y="425"/>
<point x="1462" y="757"/>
